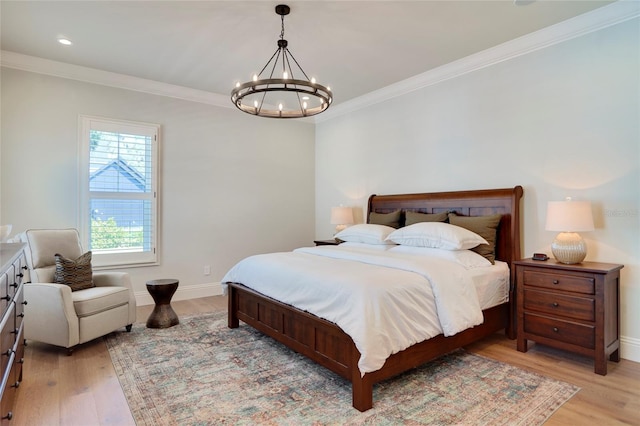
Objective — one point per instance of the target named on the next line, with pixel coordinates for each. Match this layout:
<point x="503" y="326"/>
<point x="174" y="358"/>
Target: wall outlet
<point x="207" y="270"/>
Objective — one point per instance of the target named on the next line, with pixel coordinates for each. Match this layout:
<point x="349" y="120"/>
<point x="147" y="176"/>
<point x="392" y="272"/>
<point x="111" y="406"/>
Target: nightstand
<point x="332" y="242"/>
<point x="571" y="307"/>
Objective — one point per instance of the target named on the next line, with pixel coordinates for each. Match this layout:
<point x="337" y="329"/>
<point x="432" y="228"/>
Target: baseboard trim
<point x="184" y="292"/>
<point x="630" y="348"/>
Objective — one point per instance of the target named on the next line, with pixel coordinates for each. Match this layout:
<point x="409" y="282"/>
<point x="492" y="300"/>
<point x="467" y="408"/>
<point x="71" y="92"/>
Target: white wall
<point x="232" y="184"/>
<point x="562" y="121"/>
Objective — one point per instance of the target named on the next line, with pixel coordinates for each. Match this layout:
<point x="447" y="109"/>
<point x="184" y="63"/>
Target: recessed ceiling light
<point x="64" y="41"/>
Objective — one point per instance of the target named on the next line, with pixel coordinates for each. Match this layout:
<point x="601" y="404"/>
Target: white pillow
<point x="366" y="233"/>
<point x="436" y="235"/>
<point x="467" y="258"/>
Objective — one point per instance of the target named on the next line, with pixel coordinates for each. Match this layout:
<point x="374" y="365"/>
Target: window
<point x="119" y="187"/>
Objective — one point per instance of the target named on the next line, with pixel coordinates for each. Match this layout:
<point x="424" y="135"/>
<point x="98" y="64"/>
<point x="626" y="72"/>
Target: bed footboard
<point x="317" y="339"/>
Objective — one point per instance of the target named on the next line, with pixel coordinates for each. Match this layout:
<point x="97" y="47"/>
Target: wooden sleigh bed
<point x="326" y="343"/>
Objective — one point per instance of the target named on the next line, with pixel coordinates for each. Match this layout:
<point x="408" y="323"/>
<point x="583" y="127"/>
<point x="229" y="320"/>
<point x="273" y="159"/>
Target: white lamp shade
<point x="569" y="216"/>
<point x="341" y="215"/>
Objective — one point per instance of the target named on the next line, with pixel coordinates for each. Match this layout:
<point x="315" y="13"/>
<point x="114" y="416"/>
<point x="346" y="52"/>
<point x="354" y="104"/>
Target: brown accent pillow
<point x="77" y="274"/>
<point x="390" y="219"/>
<point x="415" y="217"/>
<point x="485" y="226"/>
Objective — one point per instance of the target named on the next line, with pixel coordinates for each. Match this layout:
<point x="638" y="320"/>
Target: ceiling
<point x="355" y="47"/>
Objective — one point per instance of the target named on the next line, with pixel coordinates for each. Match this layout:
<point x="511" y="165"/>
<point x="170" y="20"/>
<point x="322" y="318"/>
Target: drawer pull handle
<point x="9" y="416"/>
<point x="16" y="385"/>
<point x="24" y="303"/>
<point x="20" y="275"/>
<point x="14" y="285"/>
<point x="25" y="267"/>
<point x="555" y="304"/>
<point x="21" y="315"/>
<point x="7" y="298"/>
<point x="556" y="282"/>
<point x="555" y="329"/>
<point x="8" y="352"/>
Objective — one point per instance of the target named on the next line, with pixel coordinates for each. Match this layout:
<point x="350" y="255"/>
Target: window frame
<point x="86" y="123"/>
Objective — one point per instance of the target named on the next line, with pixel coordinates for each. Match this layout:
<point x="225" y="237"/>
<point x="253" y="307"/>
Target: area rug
<point x="202" y="373"/>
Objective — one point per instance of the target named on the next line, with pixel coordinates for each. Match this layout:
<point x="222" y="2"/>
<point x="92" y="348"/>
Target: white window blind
<point x="119" y="207"/>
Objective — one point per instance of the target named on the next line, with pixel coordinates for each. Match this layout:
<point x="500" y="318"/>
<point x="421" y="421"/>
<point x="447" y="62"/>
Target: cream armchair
<point x="56" y="315"/>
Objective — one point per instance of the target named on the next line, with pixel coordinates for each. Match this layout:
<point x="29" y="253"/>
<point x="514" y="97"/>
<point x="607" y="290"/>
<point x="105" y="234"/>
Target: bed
<point x="327" y="344"/>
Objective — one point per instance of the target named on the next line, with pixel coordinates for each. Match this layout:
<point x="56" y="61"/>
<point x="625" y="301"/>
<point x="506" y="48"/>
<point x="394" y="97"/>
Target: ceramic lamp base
<point x="569" y="248"/>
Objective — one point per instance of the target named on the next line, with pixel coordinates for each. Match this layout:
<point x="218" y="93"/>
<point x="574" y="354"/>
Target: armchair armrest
<point x="118" y="279"/>
<point x="50" y="315"/>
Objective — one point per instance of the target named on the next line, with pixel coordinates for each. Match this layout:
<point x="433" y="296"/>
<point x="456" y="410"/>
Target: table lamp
<point x="569" y="217"/>
<point x="341" y="217"/>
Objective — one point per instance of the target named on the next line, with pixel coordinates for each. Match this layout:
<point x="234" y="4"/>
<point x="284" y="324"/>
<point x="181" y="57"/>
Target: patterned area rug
<point x="201" y="372"/>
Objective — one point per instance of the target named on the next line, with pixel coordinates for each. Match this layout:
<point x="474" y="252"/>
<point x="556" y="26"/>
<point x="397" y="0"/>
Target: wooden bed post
<point x="361" y="386"/>
<point x="232" y="294"/>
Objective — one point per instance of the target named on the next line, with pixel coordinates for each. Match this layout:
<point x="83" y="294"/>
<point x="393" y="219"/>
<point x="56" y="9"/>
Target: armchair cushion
<point x="98" y="299"/>
<point x="77" y="273"/>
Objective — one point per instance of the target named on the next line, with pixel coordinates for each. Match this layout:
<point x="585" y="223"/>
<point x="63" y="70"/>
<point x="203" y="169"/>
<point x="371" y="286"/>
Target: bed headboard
<point x="464" y="203"/>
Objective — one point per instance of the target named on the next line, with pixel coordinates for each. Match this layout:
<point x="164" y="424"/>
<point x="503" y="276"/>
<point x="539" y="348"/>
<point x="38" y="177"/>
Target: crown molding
<point x="105" y="78"/>
<point x="606" y="16"/>
<point x="615" y="13"/>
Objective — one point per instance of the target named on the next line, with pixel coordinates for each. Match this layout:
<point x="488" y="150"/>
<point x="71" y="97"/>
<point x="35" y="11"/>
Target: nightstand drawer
<point x="561" y="282"/>
<point x="557" y="329"/>
<point x="582" y="308"/>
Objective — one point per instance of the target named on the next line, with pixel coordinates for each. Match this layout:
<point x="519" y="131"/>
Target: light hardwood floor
<point x="83" y="389"/>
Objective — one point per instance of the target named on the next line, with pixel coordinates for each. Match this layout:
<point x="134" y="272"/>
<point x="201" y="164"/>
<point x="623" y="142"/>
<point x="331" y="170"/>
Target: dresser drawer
<point x="564" y="331"/>
<point x="561" y="282"/>
<point x="7" y="337"/>
<point x="582" y="308"/>
<point x="19" y="307"/>
<point x="18" y="362"/>
<point x="18" y="275"/>
<point x="4" y="291"/>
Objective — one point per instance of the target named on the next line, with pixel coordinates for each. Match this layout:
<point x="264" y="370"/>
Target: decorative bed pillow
<point x="467" y="258"/>
<point x="389" y="219"/>
<point x="436" y="235"/>
<point x="77" y="273"/>
<point x="485" y="226"/>
<point x="415" y="217"/>
<point x="366" y="233"/>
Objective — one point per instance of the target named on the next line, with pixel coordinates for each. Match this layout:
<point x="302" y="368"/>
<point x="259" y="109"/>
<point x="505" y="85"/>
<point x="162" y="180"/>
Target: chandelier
<point x="284" y="96"/>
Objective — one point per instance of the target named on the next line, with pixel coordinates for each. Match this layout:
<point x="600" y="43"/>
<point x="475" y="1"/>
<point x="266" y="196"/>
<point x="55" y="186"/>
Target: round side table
<point x="163" y="315"/>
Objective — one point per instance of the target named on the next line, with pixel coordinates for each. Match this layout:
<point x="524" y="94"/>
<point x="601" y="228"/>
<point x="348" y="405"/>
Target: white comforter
<point x="385" y="301"/>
